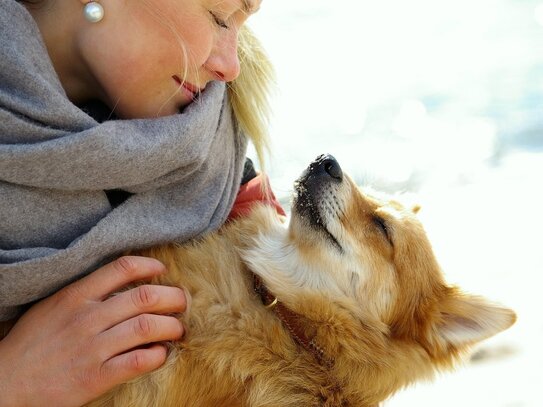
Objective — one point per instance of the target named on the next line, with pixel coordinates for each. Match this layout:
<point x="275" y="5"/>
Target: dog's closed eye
<point x="383" y="228"/>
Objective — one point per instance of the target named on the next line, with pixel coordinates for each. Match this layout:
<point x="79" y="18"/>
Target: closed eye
<point x="218" y="21"/>
<point x="383" y="228"/>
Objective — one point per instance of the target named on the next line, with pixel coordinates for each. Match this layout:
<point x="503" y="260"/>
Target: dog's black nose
<point x="327" y="164"/>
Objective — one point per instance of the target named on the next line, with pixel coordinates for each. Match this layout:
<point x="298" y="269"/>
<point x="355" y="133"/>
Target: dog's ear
<point x="466" y="320"/>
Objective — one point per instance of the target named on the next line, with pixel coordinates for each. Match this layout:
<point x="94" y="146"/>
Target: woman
<point x="116" y="132"/>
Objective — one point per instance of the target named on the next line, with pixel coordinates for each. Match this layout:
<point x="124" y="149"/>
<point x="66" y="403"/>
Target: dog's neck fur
<point x="236" y="352"/>
<point x="291" y="321"/>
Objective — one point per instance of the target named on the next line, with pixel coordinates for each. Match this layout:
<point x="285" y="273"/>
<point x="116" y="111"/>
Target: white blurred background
<point x="445" y="100"/>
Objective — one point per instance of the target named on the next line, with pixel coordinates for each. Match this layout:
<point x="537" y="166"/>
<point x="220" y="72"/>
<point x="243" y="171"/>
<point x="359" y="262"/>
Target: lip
<point x="188" y="87"/>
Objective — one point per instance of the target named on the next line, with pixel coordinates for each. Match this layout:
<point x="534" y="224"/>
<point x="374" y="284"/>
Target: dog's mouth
<point x="315" y="198"/>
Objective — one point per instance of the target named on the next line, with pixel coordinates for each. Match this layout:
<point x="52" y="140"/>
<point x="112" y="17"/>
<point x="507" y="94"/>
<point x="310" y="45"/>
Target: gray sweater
<point x="180" y="173"/>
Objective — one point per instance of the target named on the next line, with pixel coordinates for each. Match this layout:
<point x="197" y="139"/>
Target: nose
<point x="223" y="62"/>
<point x="326" y="165"/>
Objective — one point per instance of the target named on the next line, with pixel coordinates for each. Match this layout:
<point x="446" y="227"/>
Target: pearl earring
<point x="93" y="12"/>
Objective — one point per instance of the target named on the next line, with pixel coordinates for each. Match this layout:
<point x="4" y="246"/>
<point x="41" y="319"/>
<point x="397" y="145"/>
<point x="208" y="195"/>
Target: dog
<point x="342" y="306"/>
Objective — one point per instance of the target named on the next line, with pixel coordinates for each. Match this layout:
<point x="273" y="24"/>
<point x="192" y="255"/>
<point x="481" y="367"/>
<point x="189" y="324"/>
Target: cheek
<point x="377" y="288"/>
<point x="198" y="43"/>
<point x="129" y="46"/>
<point x="170" y="34"/>
<point x="385" y="291"/>
<point x="185" y="27"/>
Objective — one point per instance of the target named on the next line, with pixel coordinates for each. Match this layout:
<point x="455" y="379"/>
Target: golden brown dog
<point x="348" y="305"/>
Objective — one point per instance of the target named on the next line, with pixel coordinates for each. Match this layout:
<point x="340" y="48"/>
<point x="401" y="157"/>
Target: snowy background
<point x="445" y="100"/>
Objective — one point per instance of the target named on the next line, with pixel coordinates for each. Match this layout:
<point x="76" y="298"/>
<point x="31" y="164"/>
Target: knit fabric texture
<point x="181" y="173"/>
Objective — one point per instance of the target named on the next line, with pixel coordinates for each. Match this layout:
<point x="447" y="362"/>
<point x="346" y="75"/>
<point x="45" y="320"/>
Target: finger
<point x="117" y="274"/>
<point x="143" y="299"/>
<point x="127" y="366"/>
<point x="137" y="331"/>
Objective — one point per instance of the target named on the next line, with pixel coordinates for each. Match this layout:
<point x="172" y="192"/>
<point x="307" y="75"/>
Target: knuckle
<point x="125" y="265"/>
<point x="138" y="361"/>
<point x="83" y="320"/>
<point x="144" y="297"/>
<point x="144" y="326"/>
<point x="71" y="294"/>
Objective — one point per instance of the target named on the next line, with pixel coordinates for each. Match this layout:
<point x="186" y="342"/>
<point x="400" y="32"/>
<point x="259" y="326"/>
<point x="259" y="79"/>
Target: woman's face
<point x="149" y="58"/>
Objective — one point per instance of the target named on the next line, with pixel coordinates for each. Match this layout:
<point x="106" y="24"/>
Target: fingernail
<point x="188" y="301"/>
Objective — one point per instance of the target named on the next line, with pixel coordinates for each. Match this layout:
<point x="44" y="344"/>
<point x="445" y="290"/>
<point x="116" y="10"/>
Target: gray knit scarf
<point x="180" y="173"/>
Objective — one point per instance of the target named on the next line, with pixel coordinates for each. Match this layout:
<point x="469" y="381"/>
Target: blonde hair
<point x="250" y="92"/>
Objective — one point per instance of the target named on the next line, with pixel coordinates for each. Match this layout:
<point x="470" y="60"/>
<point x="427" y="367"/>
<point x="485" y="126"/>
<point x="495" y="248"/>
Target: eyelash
<point x="218" y="21"/>
<point x="380" y="223"/>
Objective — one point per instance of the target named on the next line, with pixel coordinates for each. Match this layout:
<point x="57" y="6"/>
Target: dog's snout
<point x="326" y="164"/>
<point x="331" y="166"/>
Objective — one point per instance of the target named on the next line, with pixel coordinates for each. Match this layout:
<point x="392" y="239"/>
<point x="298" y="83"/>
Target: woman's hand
<point x="79" y="343"/>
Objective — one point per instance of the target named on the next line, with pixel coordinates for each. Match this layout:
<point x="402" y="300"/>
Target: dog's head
<point x="363" y="272"/>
